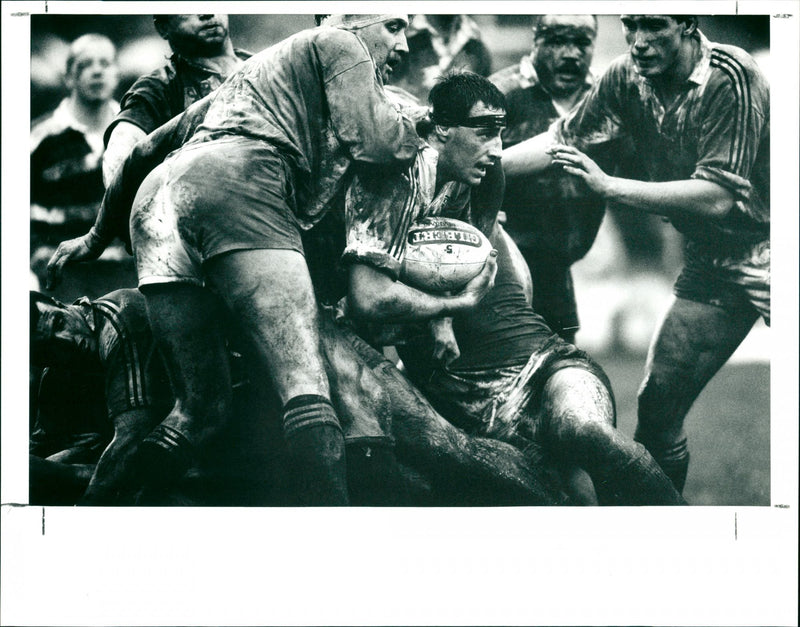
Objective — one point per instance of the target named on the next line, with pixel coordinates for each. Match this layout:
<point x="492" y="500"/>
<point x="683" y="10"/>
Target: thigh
<point x="270" y="293"/>
<point x="692" y="343"/>
<point x="696" y="339"/>
<point x="186" y="321"/>
<point x="161" y="253"/>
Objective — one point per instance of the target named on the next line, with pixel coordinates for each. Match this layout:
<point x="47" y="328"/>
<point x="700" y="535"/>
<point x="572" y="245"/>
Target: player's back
<point x="279" y="95"/>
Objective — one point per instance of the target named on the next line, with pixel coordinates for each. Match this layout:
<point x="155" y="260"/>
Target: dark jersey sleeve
<point x="147" y="104"/>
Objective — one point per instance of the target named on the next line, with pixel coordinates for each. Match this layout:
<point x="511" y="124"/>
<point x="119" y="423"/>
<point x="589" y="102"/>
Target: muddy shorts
<point x="492" y="402"/>
<point x="733" y="281"/>
<point x="208" y="199"/>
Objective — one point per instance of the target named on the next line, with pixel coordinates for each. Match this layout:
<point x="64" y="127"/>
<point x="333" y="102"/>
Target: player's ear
<point x="441" y="132"/>
<point x="162" y="26"/>
<point x="690" y="25"/>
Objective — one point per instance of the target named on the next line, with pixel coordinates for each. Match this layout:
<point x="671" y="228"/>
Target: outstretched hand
<point x="72" y="250"/>
<point x="574" y="162"/>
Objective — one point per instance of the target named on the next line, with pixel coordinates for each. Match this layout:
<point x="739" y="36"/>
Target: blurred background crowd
<point x="622" y="285"/>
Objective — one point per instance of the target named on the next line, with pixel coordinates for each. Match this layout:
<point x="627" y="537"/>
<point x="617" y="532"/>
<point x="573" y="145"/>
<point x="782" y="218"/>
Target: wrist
<point x="609" y="189"/>
<point x="94" y="240"/>
<point x="459" y="304"/>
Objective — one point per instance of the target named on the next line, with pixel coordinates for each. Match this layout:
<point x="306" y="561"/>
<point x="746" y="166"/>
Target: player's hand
<point x="574" y="162"/>
<point x="78" y="249"/>
<point x="478" y="287"/>
<point x="445" y="346"/>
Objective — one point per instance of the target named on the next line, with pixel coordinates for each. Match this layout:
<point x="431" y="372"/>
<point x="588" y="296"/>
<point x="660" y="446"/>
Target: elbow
<point x="720" y="207"/>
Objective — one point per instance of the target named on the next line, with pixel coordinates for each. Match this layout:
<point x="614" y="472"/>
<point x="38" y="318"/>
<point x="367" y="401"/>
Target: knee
<point x="578" y="396"/>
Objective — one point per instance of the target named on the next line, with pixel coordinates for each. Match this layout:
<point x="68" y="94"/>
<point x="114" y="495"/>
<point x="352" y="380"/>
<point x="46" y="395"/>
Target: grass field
<point x="728" y="427"/>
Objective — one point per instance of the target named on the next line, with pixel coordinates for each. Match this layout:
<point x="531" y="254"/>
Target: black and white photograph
<point x="485" y="336"/>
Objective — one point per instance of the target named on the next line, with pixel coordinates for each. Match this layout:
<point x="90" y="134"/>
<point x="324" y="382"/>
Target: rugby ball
<point x="443" y="254"/>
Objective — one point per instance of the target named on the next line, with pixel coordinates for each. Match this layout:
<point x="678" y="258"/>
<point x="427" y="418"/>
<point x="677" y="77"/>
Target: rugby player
<point x="202" y="58"/>
<point x="497" y="371"/>
<point x="553" y="221"/>
<point x="104" y="388"/>
<point x="698" y="115"/>
<point x="107" y="339"/>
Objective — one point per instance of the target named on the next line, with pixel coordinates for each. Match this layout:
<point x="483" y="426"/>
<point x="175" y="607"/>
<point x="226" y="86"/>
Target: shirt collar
<point x="702" y="69"/>
<point x="243" y="55"/>
<point x="63" y="117"/>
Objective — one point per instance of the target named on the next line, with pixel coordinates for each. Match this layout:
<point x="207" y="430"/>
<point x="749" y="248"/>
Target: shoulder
<point x="508" y="79"/>
<point x="621" y="68"/>
<point x="45" y="126"/>
<point x="619" y="77"/>
<point x="122" y="303"/>
<point x="54" y="123"/>
<point x="324" y="36"/>
<point x="733" y="67"/>
<point x="160" y="77"/>
<point x="150" y="86"/>
<point x="122" y="317"/>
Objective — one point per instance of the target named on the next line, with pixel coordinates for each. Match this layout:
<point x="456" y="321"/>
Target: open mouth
<point x="568" y="73"/>
<point x="392" y="62"/>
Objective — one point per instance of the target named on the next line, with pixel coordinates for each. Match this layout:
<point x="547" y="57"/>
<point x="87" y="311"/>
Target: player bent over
<point x="227" y="209"/>
<point x="503" y="373"/>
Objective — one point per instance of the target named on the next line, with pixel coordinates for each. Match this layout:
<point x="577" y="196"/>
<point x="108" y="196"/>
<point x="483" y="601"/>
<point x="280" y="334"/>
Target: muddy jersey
<point x="502" y="330"/>
<point x="380" y="209"/>
<point x="164" y="93"/>
<point x="717" y="129"/>
<point x="317" y="98"/>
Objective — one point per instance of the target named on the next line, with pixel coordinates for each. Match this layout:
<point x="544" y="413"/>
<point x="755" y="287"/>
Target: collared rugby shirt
<point x="717" y="129"/>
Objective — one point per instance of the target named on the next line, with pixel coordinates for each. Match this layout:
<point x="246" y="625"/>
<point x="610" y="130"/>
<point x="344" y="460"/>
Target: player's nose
<point x="401" y="43"/>
<point x="496" y="148"/>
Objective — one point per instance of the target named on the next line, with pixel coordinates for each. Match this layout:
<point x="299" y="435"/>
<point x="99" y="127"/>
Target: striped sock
<point x="307" y="410"/>
<point x="316" y="450"/>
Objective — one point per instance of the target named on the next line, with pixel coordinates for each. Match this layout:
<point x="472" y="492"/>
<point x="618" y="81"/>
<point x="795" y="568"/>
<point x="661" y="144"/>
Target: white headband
<point x="361" y="21"/>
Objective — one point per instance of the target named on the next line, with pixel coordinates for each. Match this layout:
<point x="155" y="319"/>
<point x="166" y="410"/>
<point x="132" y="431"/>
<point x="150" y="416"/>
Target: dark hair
<point x="454" y="94"/>
<point x="318" y="18"/>
<point x="686" y="19"/>
<point x="36" y="299"/>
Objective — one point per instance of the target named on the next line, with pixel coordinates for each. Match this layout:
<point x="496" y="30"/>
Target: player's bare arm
<point x="376" y="296"/>
<point x="120" y="143"/>
<point x="528" y="157"/>
<point x="692" y="197"/>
